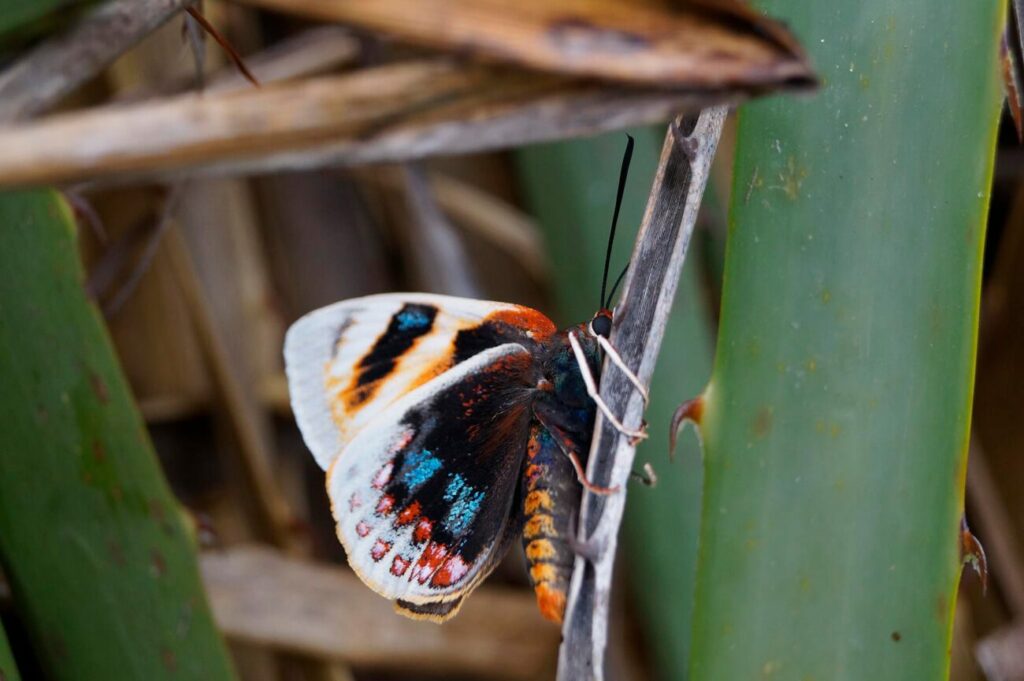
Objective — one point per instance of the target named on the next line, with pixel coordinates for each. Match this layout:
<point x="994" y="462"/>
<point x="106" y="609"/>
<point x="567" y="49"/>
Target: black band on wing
<point x="455" y="476"/>
<point x="411" y="322"/>
<point x="435" y="611"/>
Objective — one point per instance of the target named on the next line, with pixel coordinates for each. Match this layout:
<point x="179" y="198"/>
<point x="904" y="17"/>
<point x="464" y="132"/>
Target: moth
<point x="447" y="428"/>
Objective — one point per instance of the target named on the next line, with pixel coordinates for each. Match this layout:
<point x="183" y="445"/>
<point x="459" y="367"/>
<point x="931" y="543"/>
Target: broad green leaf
<point x="8" y="669"/>
<point x="98" y="554"/>
<point x="838" y="412"/>
<point x="570" y="187"/>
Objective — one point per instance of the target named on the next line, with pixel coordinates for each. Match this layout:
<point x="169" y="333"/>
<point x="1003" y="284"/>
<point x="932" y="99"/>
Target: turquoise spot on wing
<point x="412" y="318"/>
<point x="465" y="504"/>
<point x="457" y="484"/>
<point x="419" y="467"/>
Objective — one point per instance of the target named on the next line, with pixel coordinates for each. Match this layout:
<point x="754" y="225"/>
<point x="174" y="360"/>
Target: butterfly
<point x="447" y="428"/>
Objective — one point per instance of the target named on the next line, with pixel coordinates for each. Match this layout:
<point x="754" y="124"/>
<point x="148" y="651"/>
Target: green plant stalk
<point x="100" y="559"/>
<point x="837" y="417"/>
<point x="570" y="187"/>
<point x="8" y="668"/>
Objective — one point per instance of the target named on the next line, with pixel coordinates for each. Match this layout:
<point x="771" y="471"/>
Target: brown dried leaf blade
<point x="702" y="44"/>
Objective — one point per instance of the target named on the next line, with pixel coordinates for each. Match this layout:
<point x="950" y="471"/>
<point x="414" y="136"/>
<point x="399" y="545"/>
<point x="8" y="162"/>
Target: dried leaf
<point x="391" y="113"/>
<point x="697" y="44"/>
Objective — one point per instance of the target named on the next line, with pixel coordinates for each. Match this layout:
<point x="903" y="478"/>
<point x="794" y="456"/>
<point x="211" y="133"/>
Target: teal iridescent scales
<point x="445" y="426"/>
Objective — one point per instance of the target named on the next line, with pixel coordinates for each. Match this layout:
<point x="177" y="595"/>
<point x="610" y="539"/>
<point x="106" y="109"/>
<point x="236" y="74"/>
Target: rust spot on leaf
<point x="58" y="646"/>
<point x="170" y="661"/>
<point x="763" y="421"/>
<point x="156" y="510"/>
<point x="159" y="514"/>
<point x="116" y="552"/>
<point x="99" y="455"/>
<point x="896" y="636"/>
<point x="157" y="563"/>
<point x="940" y="608"/>
<point x="99" y="387"/>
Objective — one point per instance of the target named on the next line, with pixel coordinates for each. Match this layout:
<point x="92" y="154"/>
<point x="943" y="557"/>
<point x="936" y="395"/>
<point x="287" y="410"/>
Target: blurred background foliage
<point x="197" y="272"/>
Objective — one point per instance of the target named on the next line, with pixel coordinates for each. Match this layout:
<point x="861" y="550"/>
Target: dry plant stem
<point x="642" y="43"/>
<point x="257" y="459"/>
<point x="391" y="113"/>
<point x="52" y="70"/>
<point x="260" y="597"/>
<point x="484" y="215"/>
<point x="312" y="52"/>
<point x="438" y="255"/>
<point x="309" y="53"/>
<point x="229" y="49"/>
<point x="640" y="320"/>
<point x="490" y="218"/>
<point x="145" y="259"/>
<point x="1001" y="654"/>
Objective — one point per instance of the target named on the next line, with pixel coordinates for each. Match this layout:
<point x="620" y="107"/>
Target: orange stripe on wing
<point x="537" y="325"/>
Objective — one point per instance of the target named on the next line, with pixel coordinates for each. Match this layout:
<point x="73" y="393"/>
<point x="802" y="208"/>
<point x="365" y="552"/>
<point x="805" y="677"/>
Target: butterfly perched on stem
<point x="448" y="427"/>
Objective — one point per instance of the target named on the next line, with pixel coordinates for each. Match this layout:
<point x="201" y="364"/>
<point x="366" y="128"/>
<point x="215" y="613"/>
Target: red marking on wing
<point x="362" y="529"/>
<point x="430" y="560"/>
<point x="383" y="476"/>
<point x="399" y="565"/>
<point x="385" y="504"/>
<point x="450" y="572"/>
<point x="408" y="514"/>
<point x="400" y="444"/>
<point x="423" y="530"/>
<point x="534" y="323"/>
<point x="380" y="549"/>
<point x="510" y="364"/>
<point x="354" y="501"/>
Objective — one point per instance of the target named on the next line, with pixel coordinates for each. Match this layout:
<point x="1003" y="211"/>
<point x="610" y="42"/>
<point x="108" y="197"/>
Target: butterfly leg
<point x="648" y="478"/>
<point x="588" y="379"/>
<point x="617" y="360"/>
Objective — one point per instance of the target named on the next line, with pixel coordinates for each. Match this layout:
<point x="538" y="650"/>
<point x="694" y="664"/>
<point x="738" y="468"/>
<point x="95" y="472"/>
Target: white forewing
<point x="324" y="348"/>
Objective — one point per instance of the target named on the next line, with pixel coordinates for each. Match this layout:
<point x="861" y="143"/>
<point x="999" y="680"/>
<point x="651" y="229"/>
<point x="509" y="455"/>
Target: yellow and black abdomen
<point x="551" y="500"/>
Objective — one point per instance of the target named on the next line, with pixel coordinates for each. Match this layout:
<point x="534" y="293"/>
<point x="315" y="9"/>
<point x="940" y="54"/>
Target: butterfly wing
<point x="422" y="495"/>
<point x="346" y="363"/>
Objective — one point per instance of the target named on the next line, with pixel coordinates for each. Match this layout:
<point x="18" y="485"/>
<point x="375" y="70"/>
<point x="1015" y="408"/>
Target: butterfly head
<point x="601" y="324"/>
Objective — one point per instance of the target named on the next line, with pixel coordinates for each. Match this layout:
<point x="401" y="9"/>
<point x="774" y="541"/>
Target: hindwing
<point x="423" y="495"/>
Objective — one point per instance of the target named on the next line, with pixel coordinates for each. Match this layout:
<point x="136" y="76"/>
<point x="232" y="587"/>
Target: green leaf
<point x="570" y="187"/>
<point x="8" y="669"/>
<point x="97" y="552"/>
<point x="837" y="418"/>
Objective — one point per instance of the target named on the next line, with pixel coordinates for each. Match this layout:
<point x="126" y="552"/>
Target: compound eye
<point x="601" y="325"/>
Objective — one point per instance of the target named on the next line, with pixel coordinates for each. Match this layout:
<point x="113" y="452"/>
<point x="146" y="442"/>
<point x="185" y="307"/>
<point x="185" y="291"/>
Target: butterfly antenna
<point x="611" y="294"/>
<point x="623" y="172"/>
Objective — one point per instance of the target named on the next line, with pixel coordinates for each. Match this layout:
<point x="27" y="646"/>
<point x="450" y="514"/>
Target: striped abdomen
<point x="551" y="499"/>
